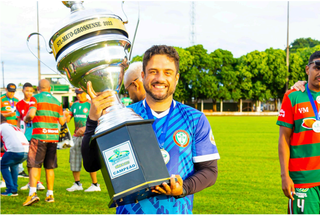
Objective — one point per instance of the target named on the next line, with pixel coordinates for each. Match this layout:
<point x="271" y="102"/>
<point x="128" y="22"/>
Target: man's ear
<point x="142" y="74"/>
<point x="177" y="77"/>
<point x="307" y="70"/>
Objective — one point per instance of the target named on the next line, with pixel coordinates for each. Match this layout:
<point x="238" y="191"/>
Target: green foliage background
<point x="258" y="75"/>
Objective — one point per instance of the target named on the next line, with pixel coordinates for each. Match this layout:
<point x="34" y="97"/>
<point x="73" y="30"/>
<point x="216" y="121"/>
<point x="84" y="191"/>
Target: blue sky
<point x="237" y="26"/>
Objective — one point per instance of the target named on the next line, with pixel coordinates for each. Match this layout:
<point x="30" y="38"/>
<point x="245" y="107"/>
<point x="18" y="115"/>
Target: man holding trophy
<point x="184" y="136"/>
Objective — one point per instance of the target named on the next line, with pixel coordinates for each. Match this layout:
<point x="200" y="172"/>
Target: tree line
<point x="258" y="75"/>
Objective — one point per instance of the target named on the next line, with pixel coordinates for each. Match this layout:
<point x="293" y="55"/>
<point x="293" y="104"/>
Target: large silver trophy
<point x="93" y="45"/>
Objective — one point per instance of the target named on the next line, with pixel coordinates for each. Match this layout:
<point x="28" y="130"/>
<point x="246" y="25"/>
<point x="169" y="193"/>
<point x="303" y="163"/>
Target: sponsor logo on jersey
<point x="181" y="138"/>
<point x="22" y="111"/>
<point x="31" y="103"/>
<point x="301" y="195"/>
<point x="308" y="122"/>
<point x="282" y="113"/>
<point x="6" y="103"/>
<point x="303" y="110"/>
<point x="8" y="108"/>
<point x="80" y="116"/>
<point x="50" y="131"/>
<point x="212" y="138"/>
<point x="302" y="190"/>
<point x="85" y="110"/>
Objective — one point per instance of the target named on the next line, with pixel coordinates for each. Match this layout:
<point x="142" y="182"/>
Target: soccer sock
<point x="78" y="183"/>
<point x="32" y="190"/>
<point x="49" y="192"/>
<point x="95" y="184"/>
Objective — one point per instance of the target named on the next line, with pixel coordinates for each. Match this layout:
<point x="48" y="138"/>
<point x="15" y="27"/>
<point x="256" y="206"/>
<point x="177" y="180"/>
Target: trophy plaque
<point x="93" y="45"/>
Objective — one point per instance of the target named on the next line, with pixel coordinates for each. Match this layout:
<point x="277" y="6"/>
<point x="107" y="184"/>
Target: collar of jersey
<point x="159" y="115"/>
<point x="84" y="101"/>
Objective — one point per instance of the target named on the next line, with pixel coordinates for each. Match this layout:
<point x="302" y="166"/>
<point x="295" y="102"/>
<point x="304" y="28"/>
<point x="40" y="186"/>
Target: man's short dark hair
<point x="314" y="56"/>
<point x="3" y="119"/>
<point x="27" y="84"/>
<point x="161" y="50"/>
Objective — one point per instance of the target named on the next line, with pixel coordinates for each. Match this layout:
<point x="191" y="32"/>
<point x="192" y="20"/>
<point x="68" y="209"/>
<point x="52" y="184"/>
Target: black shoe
<point x="23" y="175"/>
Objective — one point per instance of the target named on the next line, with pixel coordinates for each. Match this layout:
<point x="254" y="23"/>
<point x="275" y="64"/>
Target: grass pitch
<point x="248" y="181"/>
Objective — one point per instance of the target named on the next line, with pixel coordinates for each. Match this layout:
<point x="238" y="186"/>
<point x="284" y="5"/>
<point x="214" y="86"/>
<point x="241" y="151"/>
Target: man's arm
<point x="205" y="176"/>
<point x="284" y="156"/>
<point x="62" y="120"/>
<point x="90" y="153"/>
<point x="9" y="114"/>
<point x="30" y="115"/>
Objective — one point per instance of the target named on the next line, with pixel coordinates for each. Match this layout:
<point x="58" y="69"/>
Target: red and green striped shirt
<point x="6" y="107"/>
<point x="297" y="113"/>
<point x="45" y="122"/>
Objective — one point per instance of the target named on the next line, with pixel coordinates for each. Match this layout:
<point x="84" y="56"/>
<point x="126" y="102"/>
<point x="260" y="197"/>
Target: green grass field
<point x="248" y="182"/>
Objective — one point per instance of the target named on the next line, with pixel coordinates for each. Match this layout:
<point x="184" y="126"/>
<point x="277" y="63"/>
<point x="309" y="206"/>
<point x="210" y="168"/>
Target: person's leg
<point x="94" y="177"/>
<point x="34" y="176"/>
<point x="6" y="162"/>
<point x="50" y="163"/>
<point x="75" y="164"/>
<point x="18" y="159"/>
<point x="50" y="178"/>
<point x="76" y="175"/>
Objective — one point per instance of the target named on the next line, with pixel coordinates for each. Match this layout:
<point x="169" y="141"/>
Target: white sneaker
<point x="25" y="187"/>
<point x="3" y="184"/>
<point x="75" y="187"/>
<point x="93" y="188"/>
<point x="40" y="186"/>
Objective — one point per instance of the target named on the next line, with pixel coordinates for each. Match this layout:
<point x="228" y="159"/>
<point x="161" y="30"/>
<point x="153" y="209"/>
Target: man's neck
<point x="313" y="88"/>
<point x="159" y="106"/>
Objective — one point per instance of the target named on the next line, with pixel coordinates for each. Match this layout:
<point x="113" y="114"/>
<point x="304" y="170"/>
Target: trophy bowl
<point x="93" y="45"/>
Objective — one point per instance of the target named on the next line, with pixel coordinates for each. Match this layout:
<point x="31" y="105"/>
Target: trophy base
<point x="136" y="194"/>
<point x="131" y="161"/>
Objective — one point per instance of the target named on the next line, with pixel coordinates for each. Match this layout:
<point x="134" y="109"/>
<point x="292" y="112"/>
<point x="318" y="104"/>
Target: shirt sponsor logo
<point x="282" y="113"/>
<point x="307" y="123"/>
<point x="212" y="138"/>
<point x="50" y="131"/>
<point x="181" y="138"/>
<point x="8" y="108"/>
<point x="303" y="110"/>
<point x="85" y="110"/>
<point x="6" y="103"/>
<point x="80" y="116"/>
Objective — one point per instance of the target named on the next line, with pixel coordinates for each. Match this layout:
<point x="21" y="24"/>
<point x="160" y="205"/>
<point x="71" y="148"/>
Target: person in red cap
<point x="8" y="104"/>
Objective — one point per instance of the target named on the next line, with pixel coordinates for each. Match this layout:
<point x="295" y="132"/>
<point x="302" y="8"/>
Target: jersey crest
<point x="181" y="138"/>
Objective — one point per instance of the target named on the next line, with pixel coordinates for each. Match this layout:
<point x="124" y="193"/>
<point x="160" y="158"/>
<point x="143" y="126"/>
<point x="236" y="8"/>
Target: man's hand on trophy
<point x="175" y="188"/>
<point x="299" y="86"/>
<point x="99" y="101"/>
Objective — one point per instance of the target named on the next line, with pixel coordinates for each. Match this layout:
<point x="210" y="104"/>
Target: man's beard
<point x="158" y="97"/>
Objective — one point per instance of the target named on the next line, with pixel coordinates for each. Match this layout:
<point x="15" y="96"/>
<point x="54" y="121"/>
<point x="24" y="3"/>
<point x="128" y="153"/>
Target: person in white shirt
<point x="16" y="146"/>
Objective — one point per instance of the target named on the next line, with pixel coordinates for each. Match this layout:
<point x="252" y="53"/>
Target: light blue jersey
<point x="26" y="127"/>
<point x="188" y="140"/>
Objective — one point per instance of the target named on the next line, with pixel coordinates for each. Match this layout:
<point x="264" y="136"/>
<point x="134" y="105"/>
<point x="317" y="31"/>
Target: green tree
<point x="197" y="79"/>
<point x="224" y="78"/>
<point x="182" y="93"/>
<point x="301" y="43"/>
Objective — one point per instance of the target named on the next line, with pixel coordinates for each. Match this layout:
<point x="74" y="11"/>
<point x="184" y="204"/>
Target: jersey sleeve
<point x="204" y="148"/>
<point x="285" y="117"/>
<point x="33" y="103"/>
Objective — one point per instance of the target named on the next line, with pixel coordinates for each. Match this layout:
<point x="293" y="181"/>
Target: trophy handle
<point x="135" y="33"/>
<point x="50" y="52"/>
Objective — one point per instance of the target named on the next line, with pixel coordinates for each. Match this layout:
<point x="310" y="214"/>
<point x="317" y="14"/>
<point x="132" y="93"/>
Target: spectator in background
<point x="45" y="113"/>
<point x="8" y="104"/>
<point x="80" y="111"/>
<point x="16" y="146"/>
<point x="26" y="128"/>
<point x="126" y="100"/>
<point x="133" y="82"/>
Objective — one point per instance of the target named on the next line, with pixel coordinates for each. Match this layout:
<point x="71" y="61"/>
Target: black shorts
<point x="42" y="152"/>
